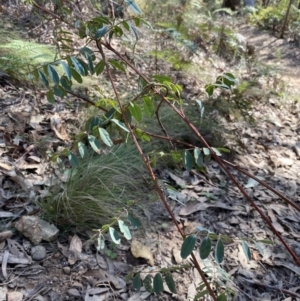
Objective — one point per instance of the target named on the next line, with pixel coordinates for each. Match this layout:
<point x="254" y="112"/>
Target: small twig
<point x="87" y="100"/>
<point x="272" y="288"/>
<point x="262" y="183"/>
<point x="161" y="125"/>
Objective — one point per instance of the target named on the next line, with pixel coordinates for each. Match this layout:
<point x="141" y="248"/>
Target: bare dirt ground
<point x="270" y="149"/>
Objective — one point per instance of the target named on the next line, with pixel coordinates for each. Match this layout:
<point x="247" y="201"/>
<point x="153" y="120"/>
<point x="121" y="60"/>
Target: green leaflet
<point x="53" y="74"/>
<point x="149" y="108"/>
<point x="120" y="124"/>
<point x="100" y="242"/>
<point x="65" y="83"/>
<point x="148" y="284"/>
<point x="198" y="157"/>
<point x="73" y="159"/>
<point x="105" y="137"/>
<point x="205" y="248"/>
<point x="135" y="111"/>
<point x="219" y="251"/>
<point x="246" y="250"/>
<point x="114" y="235"/>
<point x="170" y="283"/>
<point x="43" y="78"/>
<point x="101" y="32"/>
<point x="82" y="150"/>
<point x="77" y="65"/>
<point x="95" y="144"/>
<point x="158" y="285"/>
<point x="124" y="229"/>
<point x="135" y="222"/>
<point x="76" y="75"/>
<point x="59" y="91"/>
<point x="117" y="65"/>
<point x="188" y="160"/>
<point x="136" y="282"/>
<point x="50" y="96"/>
<point x="66" y="69"/>
<point x="99" y="67"/>
<point x="188" y="246"/>
<point x="133" y="6"/>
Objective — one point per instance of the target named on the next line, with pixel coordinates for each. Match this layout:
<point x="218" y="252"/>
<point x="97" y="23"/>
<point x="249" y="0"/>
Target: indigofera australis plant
<point x="122" y="119"/>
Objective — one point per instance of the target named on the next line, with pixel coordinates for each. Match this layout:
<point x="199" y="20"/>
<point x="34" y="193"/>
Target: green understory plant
<point x="121" y="120"/>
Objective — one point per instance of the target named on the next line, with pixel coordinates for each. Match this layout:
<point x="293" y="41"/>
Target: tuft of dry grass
<point x="99" y="189"/>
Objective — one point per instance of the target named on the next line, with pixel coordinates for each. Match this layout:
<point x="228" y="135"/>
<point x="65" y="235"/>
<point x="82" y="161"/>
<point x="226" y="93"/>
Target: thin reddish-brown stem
<point x="203" y="141"/>
<point x="154" y="180"/>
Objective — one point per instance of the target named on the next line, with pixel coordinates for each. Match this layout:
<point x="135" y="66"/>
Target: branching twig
<point x="262" y="183"/>
<point x="219" y="161"/>
<point x="152" y="175"/>
<point x="272" y="287"/>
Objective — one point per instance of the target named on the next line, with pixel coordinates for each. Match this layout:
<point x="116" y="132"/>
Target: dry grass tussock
<point x="99" y="189"/>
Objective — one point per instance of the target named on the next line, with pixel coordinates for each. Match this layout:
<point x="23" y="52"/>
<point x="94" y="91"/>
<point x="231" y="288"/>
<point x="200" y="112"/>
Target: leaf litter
<point x="272" y="152"/>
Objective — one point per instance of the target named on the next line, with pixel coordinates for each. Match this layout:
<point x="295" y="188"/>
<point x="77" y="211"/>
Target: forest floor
<point x="269" y="148"/>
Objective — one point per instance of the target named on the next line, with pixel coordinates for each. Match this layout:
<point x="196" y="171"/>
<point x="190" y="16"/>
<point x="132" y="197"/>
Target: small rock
<point x="38" y="252"/>
<point x="14" y="296"/>
<point x="67" y="270"/>
<point x="73" y="292"/>
<point x="36" y="229"/>
<point x="50" y="232"/>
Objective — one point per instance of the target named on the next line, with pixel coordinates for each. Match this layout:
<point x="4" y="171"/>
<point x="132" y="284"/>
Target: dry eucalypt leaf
<point x="139" y="250"/>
